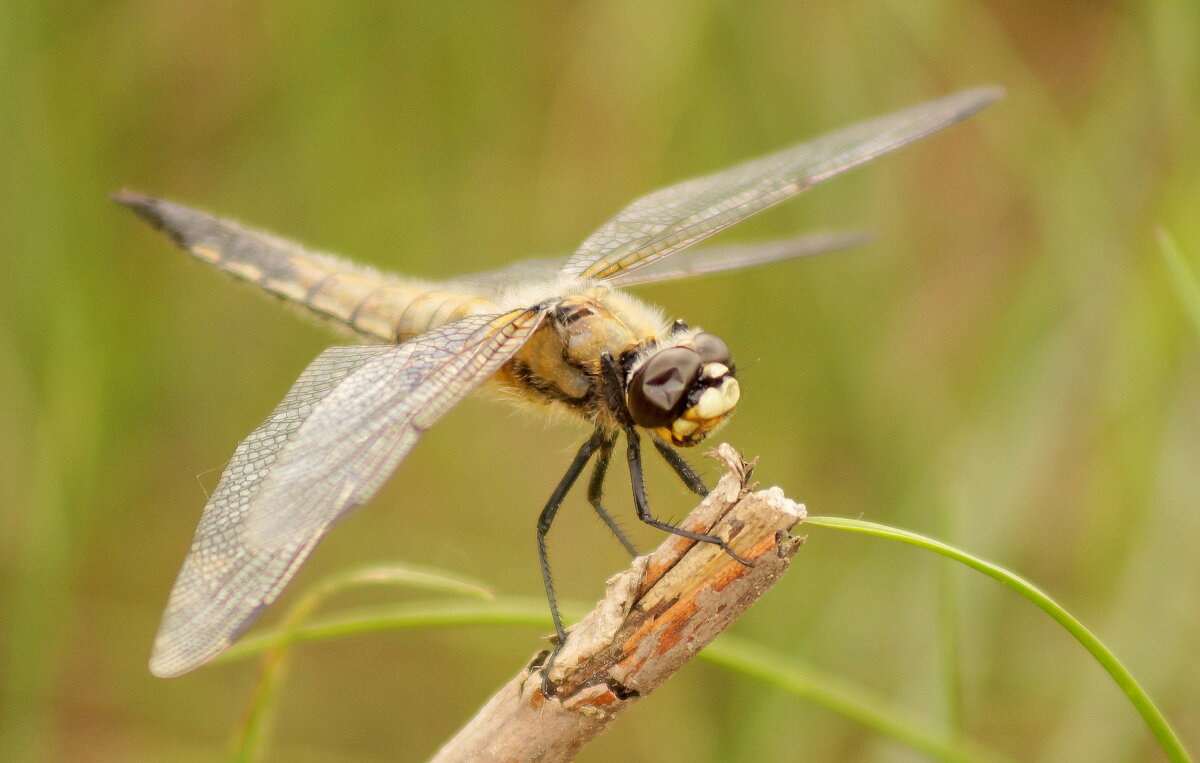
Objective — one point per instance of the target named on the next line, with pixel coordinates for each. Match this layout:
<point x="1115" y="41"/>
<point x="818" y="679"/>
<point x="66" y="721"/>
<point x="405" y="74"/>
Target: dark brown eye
<point x="659" y="388"/>
<point x="713" y="350"/>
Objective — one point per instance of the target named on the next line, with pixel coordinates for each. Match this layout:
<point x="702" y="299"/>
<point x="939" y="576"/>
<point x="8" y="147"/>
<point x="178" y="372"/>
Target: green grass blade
<point x="404" y="576"/>
<point x="949" y="651"/>
<point x="403" y="616"/>
<point x="1183" y="278"/>
<point x="835" y="694"/>
<point x="1141" y="701"/>
<point x="249" y="736"/>
<point x="840" y="696"/>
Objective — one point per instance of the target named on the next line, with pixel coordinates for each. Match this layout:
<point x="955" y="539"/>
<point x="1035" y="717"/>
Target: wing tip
<point x="170" y="658"/>
<point x="847" y="239"/>
<point x="979" y="98"/>
<point x="187" y="639"/>
<point x="161" y="667"/>
<point x="167" y="665"/>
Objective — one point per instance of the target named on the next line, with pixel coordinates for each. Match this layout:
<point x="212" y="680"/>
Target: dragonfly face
<point x="685" y="390"/>
<point x="554" y="333"/>
<point x="675" y="382"/>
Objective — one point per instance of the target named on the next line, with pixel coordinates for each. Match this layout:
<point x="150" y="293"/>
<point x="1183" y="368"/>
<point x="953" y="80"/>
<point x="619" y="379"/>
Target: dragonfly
<point x="558" y="334"/>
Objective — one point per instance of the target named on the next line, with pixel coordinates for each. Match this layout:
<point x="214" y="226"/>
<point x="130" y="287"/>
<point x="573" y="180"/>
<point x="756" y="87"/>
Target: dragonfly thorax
<point x="560" y="364"/>
<point x="676" y="382"/>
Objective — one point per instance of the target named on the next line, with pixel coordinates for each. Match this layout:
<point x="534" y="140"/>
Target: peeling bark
<point x="655" y="617"/>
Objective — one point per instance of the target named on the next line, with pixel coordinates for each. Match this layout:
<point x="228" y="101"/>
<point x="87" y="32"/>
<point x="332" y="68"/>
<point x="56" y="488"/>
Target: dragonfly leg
<point x="642" y="504"/>
<point x="612" y="387"/>
<point x="596" y="486"/>
<point x="681" y="467"/>
<point x="545" y="519"/>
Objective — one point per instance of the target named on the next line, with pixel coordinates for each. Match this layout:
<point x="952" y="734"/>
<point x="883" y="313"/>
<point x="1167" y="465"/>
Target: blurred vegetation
<point x="1011" y="366"/>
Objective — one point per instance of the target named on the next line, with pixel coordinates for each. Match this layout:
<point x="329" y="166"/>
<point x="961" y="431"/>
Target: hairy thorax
<point x="560" y="364"/>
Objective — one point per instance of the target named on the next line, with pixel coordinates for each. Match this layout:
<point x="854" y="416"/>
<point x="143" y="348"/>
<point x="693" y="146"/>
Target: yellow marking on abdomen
<point x="340" y="294"/>
<point x="206" y="254"/>
<point x="306" y="275"/>
<point x="397" y="313"/>
<point x="393" y="312"/>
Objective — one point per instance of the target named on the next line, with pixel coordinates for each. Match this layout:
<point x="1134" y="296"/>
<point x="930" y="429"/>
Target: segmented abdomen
<point x="391" y="310"/>
<point x="380" y="306"/>
<point x="398" y="313"/>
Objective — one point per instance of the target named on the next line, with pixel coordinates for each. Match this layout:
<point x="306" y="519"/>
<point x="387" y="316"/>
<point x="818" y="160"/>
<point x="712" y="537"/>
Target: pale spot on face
<point x="714" y="371"/>
<point x="682" y="428"/>
<point x="715" y="401"/>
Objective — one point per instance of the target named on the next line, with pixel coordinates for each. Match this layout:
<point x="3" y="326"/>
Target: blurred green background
<point x="1009" y="366"/>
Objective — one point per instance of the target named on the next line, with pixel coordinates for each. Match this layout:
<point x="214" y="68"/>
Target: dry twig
<point x="654" y="618"/>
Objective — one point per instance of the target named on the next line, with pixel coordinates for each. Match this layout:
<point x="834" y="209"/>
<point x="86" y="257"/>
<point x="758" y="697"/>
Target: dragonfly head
<point x="685" y="390"/>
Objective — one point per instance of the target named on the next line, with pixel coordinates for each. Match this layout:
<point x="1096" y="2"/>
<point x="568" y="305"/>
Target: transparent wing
<point x="346" y="424"/>
<point x="672" y="218"/>
<point x="712" y="259"/>
<point x="720" y="258"/>
<point x="493" y="281"/>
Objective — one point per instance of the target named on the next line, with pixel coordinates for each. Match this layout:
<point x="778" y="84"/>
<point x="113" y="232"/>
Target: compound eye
<point x="659" y="388"/>
<point x="713" y="350"/>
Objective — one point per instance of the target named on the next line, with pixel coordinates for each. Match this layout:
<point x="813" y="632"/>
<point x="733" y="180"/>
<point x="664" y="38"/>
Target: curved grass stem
<point x="1159" y="727"/>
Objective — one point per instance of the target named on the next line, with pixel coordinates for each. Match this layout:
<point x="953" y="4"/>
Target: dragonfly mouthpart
<point x="684" y="392"/>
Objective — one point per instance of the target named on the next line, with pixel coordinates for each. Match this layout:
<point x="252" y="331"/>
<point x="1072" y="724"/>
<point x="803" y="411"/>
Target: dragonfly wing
<point x="493" y="282"/>
<point x="720" y="258"/>
<point x="700" y="262"/>
<point x="345" y="425"/>
<point x="678" y="216"/>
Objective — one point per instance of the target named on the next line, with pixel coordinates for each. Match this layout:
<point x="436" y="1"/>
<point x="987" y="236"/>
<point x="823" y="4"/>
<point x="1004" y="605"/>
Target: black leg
<point x="545" y="519"/>
<point x="681" y="467"/>
<point x="613" y="389"/>
<point x="595" y="488"/>
<point x="642" y="505"/>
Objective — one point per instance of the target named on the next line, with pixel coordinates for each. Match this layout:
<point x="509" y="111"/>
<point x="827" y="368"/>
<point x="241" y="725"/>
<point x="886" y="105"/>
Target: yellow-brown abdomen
<point x="392" y="312"/>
